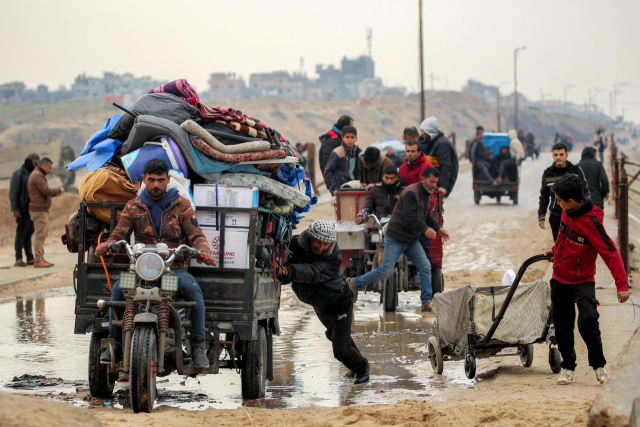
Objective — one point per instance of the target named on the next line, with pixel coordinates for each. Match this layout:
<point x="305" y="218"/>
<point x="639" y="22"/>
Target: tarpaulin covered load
<point x="494" y="141"/>
<point x="524" y="320"/>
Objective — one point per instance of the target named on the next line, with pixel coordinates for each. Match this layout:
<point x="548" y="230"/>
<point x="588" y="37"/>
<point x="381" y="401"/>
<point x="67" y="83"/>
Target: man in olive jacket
<point x="40" y="195"/>
<point x="313" y="268"/>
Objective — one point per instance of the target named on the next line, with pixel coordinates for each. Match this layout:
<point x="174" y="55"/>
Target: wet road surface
<point x="36" y="338"/>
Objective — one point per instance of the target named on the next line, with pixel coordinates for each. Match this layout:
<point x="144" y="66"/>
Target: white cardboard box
<point x="231" y="196"/>
<point x="236" y="248"/>
<point x="232" y="219"/>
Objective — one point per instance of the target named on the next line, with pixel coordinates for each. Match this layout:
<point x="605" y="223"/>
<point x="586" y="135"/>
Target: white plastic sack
<point x="508" y="278"/>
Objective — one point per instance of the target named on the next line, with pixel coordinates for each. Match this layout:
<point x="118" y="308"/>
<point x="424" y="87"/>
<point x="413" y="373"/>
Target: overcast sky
<point x="589" y="44"/>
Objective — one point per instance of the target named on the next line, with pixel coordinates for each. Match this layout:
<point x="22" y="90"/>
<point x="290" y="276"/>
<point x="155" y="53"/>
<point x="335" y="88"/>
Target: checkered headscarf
<point x="322" y="230"/>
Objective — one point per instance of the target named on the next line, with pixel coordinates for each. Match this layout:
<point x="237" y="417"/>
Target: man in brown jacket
<point x="159" y="215"/>
<point x="373" y="162"/>
<point x="40" y="195"/>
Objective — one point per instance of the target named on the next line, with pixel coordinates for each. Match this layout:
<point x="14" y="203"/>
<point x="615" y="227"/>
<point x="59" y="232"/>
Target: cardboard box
<point x="236" y="248"/>
<point x="231" y="196"/>
<point x="232" y="219"/>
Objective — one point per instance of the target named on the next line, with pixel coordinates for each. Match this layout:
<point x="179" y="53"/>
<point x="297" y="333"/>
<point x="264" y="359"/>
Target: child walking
<point x="580" y="239"/>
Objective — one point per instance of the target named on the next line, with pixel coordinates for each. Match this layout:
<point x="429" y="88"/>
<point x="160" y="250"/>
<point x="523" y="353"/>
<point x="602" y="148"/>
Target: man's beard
<point x="157" y="193"/>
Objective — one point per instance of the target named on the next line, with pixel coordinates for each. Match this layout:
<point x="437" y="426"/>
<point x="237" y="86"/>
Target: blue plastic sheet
<point x="496" y="140"/>
<point x="101" y="134"/>
<point x="295" y="215"/>
<point x="290" y="176"/>
<point x="100" y="154"/>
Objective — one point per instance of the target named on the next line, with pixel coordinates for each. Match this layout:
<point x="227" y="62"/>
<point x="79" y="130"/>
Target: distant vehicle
<point x="483" y="186"/>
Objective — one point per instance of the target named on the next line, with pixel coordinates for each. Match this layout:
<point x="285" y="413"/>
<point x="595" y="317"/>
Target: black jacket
<point x="382" y="200"/>
<point x="410" y="218"/>
<point x="595" y="175"/>
<point x="336" y="171"/>
<point x="18" y="193"/>
<point x="477" y="151"/>
<point x="328" y="142"/>
<point x="548" y="198"/>
<point x="317" y="280"/>
<point x="442" y="154"/>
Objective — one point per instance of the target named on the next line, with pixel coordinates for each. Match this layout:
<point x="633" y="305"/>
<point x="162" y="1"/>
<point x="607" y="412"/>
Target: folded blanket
<point x="246" y="147"/>
<point x="267" y="185"/>
<point x="197" y="142"/>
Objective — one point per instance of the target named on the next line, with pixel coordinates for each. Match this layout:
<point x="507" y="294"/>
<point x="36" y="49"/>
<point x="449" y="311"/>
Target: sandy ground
<point x="486" y="240"/>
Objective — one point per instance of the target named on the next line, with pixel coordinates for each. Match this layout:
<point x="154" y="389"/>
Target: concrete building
<point x="12" y="91"/>
<point x="226" y="86"/>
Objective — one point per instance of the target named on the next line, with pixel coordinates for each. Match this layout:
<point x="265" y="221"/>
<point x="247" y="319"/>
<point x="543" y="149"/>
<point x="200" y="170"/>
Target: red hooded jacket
<point x="580" y="239"/>
<point x="411" y="172"/>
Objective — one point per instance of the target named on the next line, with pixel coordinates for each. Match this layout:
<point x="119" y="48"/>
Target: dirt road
<point x="486" y="240"/>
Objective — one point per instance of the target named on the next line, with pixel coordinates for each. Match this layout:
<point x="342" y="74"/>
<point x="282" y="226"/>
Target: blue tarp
<point x="295" y="216"/>
<point x="99" y="149"/>
<point x="101" y="134"/>
<point x="496" y="140"/>
<point x="290" y="176"/>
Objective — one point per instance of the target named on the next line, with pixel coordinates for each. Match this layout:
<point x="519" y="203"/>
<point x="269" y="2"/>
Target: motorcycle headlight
<point x="170" y="282"/>
<point x="375" y="238"/>
<point x="149" y="266"/>
<point x="127" y="281"/>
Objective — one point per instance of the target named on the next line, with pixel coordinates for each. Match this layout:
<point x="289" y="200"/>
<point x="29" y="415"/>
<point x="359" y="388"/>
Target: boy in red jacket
<point x="580" y="239"/>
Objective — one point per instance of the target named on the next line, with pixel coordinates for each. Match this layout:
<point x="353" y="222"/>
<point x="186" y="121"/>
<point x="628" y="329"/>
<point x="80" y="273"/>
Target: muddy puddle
<point x="36" y="338"/>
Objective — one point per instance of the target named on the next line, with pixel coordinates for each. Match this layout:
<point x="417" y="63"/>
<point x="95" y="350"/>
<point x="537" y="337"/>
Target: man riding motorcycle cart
<point x="161" y="216"/>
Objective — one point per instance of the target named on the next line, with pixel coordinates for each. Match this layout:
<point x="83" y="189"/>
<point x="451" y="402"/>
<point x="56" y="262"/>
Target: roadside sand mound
<point x="63" y="206"/>
<point x="506" y="413"/>
<point x="24" y="411"/>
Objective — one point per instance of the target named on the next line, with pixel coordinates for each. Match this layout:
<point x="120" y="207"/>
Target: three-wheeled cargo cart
<point x="241" y="308"/>
<point x="358" y="259"/>
<point x="467" y="327"/>
<point x="484" y="185"/>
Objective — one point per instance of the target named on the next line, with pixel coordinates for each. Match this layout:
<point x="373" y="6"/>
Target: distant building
<point x="370" y="88"/>
<point x="226" y="86"/>
<point x="112" y="84"/>
<point x="13" y="91"/>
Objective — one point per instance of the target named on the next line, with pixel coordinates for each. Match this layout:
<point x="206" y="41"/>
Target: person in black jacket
<point x="19" y="196"/>
<point x="410" y="219"/>
<point x="331" y="140"/>
<point x="596" y="177"/>
<point x="478" y="156"/>
<point x="312" y="265"/>
<point x="560" y="167"/>
<point x="441" y="153"/>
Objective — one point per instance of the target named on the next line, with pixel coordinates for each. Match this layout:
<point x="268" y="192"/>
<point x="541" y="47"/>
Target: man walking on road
<point x="19" y="196"/>
<point x="332" y="140"/>
<point x="441" y="153"/>
<point x="409" y="221"/>
<point x="313" y="268"/>
<point x="596" y="177"/>
<point x="40" y="195"/>
<point x="560" y="167"/>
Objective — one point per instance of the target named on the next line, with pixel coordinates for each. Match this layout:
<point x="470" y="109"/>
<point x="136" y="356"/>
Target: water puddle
<point x="36" y="338"/>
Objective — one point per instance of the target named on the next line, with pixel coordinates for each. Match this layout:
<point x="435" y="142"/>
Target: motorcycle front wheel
<point x="144" y="358"/>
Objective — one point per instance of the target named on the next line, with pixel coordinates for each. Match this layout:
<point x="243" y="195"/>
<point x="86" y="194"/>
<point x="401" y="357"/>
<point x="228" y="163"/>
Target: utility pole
<point x="498" y="108"/>
<point x="508" y="119"/>
<point x="422" y="115"/>
<point x="515" y="83"/>
<point x="544" y="131"/>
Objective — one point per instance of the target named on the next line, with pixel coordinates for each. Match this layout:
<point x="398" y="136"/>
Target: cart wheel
<point x="554" y="360"/>
<point x="437" y="280"/>
<point x="390" y="292"/>
<point x="470" y="366"/>
<point x="254" y="372"/>
<point x="100" y="382"/>
<point x="477" y="196"/>
<point x="498" y="198"/>
<point x="435" y="354"/>
<point x="526" y="355"/>
<point x="514" y="197"/>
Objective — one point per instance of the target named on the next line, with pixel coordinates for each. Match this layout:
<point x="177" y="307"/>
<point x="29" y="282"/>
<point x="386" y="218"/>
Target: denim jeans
<point x="190" y="291"/>
<point x="392" y="251"/>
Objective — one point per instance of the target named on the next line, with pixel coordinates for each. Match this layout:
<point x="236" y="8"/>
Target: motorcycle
<point x="155" y="333"/>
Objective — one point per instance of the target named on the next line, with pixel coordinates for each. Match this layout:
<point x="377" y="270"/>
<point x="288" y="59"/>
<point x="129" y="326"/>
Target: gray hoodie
<point x="431" y="127"/>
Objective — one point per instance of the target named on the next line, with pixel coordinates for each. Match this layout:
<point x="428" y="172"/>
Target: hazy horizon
<point x="583" y="43"/>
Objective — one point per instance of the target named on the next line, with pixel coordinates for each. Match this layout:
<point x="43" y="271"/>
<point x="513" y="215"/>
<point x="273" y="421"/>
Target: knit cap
<point x="322" y="230"/>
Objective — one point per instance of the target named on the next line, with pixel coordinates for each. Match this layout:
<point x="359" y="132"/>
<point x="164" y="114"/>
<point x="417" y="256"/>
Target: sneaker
<point x="364" y="377"/>
<point x="200" y="359"/>
<point x="106" y="355"/>
<point x="601" y="375"/>
<point x="350" y="375"/>
<point x="566" y="376"/>
<point x="426" y="307"/>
